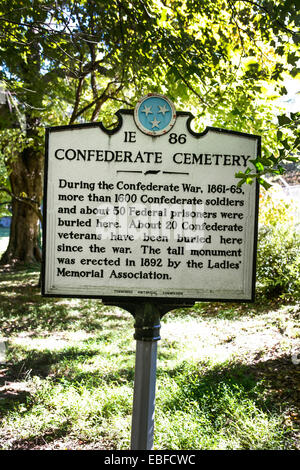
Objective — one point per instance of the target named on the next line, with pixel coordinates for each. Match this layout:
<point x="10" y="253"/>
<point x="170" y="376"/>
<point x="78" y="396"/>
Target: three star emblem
<point x="162" y="109"/>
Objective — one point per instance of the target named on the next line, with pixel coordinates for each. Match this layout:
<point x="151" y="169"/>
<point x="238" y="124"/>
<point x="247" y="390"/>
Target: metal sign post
<point x="147" y="327"/>
<point x="146" y="216"/>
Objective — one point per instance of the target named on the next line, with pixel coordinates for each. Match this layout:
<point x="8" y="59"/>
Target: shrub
<point x="278" y="259"/>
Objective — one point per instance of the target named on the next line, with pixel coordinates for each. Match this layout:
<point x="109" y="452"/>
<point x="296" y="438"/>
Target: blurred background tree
<point x="67" y="61"/>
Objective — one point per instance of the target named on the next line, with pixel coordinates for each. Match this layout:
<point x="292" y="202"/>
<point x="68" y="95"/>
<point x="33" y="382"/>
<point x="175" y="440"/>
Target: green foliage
<point x="83" y="54"/>
<point x="281" y="146"/>
<point x="279" y="261"/>
<point x="5" y="199"/>
<point x="276" y="208"/>
<point x="68" y="62"/>
<point x="4" y="206"/>
<point x="278" y="253"/>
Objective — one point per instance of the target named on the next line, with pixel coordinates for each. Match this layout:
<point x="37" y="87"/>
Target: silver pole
<point x="147" y="326"/>
<point x="142" y="431"/>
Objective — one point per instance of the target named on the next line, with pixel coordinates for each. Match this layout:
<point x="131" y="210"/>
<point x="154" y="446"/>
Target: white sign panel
<point x="149" y="210"/>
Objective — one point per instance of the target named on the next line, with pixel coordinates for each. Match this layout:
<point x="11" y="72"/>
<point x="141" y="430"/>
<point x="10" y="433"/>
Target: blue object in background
<point x="5" y="221"/>
<point x="155" y="113"/>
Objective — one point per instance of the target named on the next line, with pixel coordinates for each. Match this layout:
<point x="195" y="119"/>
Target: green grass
<point x="225" y="376"/>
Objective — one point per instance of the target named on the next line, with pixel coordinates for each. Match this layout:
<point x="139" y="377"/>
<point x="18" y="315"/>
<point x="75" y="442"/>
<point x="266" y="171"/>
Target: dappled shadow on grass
<point x="122" y="376"/>
<point x="67" y="372"/>
<point x="232" y="310"/>
<point x="35" y="313"/>
<point x="22" y="308"/>
<point x="47" y="437"/>
<point x="66" y="363"/>
<point x="10" y="396"/>
<point x="272" y="385"/>
<point x="39" y="362"/>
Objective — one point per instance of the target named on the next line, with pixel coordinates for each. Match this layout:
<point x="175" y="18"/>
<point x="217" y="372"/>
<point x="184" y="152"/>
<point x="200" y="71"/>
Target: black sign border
<point x="127" y="302"/>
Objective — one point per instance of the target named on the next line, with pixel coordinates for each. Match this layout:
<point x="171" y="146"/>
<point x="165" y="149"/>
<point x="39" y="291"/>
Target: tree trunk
<point x="26" y="179"/>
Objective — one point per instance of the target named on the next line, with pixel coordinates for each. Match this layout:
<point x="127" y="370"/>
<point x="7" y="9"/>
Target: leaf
<point x="264" y="183"/>
<point x="295" y="116"/>
<point x="283" y="119"/>
<point x="240" y="174"/>
<point x="283" y="91"/>
<point x="266" y="161"/>
<point x="285" y="144"/>
<point x="259" y="166"/>
<point x="295" y="71"/>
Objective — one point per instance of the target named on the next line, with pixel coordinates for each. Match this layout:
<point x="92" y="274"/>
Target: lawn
<point x="227" y="373"/>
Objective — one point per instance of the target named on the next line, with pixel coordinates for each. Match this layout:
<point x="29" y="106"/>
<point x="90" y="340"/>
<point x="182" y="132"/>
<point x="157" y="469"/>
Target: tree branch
<point x="261" y="7"/>
<point x="26" y="200"/>
<point x="77" y="100"/>
<point x="99" y="100"/>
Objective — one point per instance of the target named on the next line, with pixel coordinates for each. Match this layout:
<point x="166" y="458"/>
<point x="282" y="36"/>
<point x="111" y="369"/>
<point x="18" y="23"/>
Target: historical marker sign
<point x="150" y="210"/>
